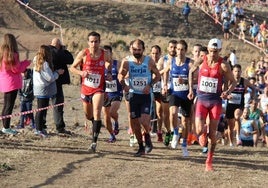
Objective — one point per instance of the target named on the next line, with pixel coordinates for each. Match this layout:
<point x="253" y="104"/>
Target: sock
<point x="184" y="142"/>
<point x="115" y="125"/>
<point x="176" y="131"/>
<point x="96" y="129"/>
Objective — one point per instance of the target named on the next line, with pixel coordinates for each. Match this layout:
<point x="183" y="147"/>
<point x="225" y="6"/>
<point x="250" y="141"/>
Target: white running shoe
<point x="131" y="140"/>
<point x="185" y="152"/>
<point x="174" y="142"/>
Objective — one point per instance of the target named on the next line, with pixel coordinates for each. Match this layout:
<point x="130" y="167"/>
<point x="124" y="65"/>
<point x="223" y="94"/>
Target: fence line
<point x="43" y="16"/>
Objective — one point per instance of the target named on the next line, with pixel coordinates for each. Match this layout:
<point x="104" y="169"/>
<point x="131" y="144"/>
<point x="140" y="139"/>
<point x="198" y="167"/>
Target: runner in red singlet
<point x="93" y="61"/>
<point x="209" y="95"/>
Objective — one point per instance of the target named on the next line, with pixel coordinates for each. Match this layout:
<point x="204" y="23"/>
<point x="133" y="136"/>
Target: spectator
<point x="44" y="85"/>
<point x="251" y="70"/>
<point x="254" y="30"/>
<point x="249" y="130"/>
<point x="26" y="98"/>
<point x="60" y="59"/>
<point x="233" y="58"/>
<point x="226" y="27"/>
<point x="185" y="12"/>
<point x="11" y="80"/>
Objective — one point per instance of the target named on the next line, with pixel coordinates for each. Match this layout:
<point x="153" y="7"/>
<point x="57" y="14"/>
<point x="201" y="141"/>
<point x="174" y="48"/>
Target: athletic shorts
<point x="108" y="100"/>
<point x="266" y="130"/>
<point x="158" y="97"/>
<point x="213" y="108"/>
<point x="230" y="109"/>
<point x="126" y="95"/>
<point x="165" y="98"/>
<point x="184" y="104"/>
<point x="139" y="104"/>
<point x="88" y="98"/>
<point x="247" y="142"/>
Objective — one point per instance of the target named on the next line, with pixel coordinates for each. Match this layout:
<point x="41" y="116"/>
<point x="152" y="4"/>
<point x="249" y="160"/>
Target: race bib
<point x="93" y="80"/>
<point x="139" y="83"/>
<point x="208" y="85"/>
<point x="236" y="98"/>
<point x="111" y="86"/>
<point x="179" y="87"/>
<point x="157" y="87"/>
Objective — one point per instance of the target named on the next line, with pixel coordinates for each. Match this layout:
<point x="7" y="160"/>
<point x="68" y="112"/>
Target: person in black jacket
<point x="61" y="58"/>
<point x="26" y="99"/>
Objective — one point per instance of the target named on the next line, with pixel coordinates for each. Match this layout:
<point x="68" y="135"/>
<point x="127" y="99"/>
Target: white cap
<point x="214" y="44"/>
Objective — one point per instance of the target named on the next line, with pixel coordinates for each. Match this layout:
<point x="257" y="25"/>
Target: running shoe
<point x="209" y="162"/>
<point x="185" y="152"/>
<point x="148" y="143"/>
<point x="42" y="133"/>
<point x="174" y="142"/>
<point x="112" y="139"/>
<point x="64" y="131"/>
<point x="140" y="152"/>
<point x="9" y="131"/>
<point x="131" y="140"/>
<point x="20" y="127"/>
<point x="159" y="137"/>
<point x="203" y="139"/>
<point x="204" y="150"/>
<point x="167" y="139"/>
<point x="93" y="147"/>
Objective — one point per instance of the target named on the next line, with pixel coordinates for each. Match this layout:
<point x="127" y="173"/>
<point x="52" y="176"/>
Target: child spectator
<point x="26" y="98"/>
<point x="185" y="12"/>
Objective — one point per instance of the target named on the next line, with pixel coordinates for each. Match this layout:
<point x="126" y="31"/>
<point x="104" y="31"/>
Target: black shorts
<point x="247" y="143"/>
<point x="108" y="101"/>
<point x="226" y="31"/>
<point x="157" y="97"/>
<point x="165" y="98"/>
<point x="230" y="109"/>
<point x="139" y="104"/>
<point x="184" y="104"/>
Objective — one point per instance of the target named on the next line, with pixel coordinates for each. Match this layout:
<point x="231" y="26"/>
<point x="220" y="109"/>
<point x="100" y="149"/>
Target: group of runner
<point x="188" y="93"/>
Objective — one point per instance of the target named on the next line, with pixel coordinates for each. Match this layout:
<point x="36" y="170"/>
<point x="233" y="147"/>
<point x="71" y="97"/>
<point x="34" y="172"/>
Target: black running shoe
<point x="140" y="152"/>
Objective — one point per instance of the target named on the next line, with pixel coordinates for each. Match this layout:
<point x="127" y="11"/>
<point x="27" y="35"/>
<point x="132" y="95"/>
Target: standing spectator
<point x="60" y="59"/>
<point x="185" y="12"/>
<point x="26" y="98"/>
<point x="254" y="30"/>
<point x="11" y="80"/>
<point x="233" y="58"/>
<point x="44" y="85"/>
<point x="242" y="25"/>
<point x="93" y="61"/>
<point x="226" y="28"/>
<point x="112" y="99"/>
<point x="212" y="71"/>
<point x="140" y="69"/>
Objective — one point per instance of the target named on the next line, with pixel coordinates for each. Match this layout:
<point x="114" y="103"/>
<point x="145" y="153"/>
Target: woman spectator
<point x="11" y="78"/>
<point x="44" y="85"/>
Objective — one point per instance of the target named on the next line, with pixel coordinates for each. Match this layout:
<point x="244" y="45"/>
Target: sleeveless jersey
<point x="209" y="81"/>
<point x="238" y="94"/>
<point x="139" y="75"/>
<point x="113" y="88"/>
<point x="177" y="89"/>
<point x="95" y="82"/>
